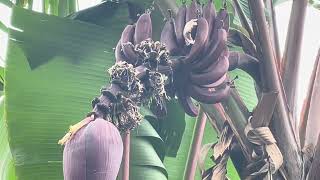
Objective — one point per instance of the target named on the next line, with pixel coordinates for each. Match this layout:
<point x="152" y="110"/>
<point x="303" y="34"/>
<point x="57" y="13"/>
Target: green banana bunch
<point x="198" y="34"/>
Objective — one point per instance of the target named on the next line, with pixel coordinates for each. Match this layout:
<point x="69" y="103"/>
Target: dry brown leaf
<point x="219" y="171"/>
<point x="315" y="166"/>
<point x="202" y="156"/>
<point x="313" y="124"/>
<point x="307" y="156"/>
<point x="220" y="156"/>
<point x="224" y="142"/>
<point x="262" y="136"/>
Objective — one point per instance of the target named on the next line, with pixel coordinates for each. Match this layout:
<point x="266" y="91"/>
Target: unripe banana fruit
<point x="202" y="43"/>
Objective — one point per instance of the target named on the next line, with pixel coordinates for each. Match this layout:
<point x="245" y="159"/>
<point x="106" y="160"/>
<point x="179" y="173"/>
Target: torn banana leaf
<point x="6" y="163"/>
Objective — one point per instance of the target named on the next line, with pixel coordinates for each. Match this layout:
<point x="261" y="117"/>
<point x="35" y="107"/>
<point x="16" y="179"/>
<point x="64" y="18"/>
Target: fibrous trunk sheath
<point x="281" y="125"/>
<point x="195" y="146"/>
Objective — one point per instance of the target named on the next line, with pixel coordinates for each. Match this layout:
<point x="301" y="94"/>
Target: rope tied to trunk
<point x="265" y="150"/>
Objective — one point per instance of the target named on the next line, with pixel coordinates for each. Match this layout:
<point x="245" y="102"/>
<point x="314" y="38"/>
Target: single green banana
<point x="180" y="21"/>
<point x="218" y="22"/>
<point x="212" y="73"/>
<point x="209" y="13"/>
<point x="187" y="104"/>
<point x="200" y="40"/>
<point x="168" y="37"/>
<point x="217" y="83"/>
<point x="126" y="44"/>
<point x="130" y="53"/>
<point x="119" y="54"/>
<point x="127" y="34"/>
<point x="218" y="46"/>
<point x="192" y="11"/>
<point x="208" y="95"/>
<point x="143" y="28"/>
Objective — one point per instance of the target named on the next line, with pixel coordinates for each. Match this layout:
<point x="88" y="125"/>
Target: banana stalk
<point x="125" y="169"/>
<point x="292" y="57"/>
<point x="283" y="129"/>
<point x="307" y="120"/>
<point x="239" y="153"/>
<point x="195" y="147"/>
<point x="274" y="31"/>
<point x="243" y="19"/>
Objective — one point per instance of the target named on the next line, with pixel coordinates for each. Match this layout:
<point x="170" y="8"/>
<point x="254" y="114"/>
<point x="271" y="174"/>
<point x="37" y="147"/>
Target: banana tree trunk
<point x="281" y="124"/>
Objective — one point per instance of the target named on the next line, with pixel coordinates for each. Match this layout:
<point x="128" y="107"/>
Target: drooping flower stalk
<point x="243" y="19"/>
<point x="125" y="170"/>
<point x="191" y="167"/>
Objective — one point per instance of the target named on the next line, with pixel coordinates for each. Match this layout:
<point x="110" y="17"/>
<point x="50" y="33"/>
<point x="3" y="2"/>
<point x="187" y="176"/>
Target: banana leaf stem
<point x="125" y="171"/>
<point x="195" y="146"/>
<point x="281" y="126"/>
<point x="291" y="58"/>
<point x="218" y="115"/>
<point x="307" y="103"/>
<point x="164" y="5"/>
<point x="274" y="31"/>
<point x="243" y="19"/>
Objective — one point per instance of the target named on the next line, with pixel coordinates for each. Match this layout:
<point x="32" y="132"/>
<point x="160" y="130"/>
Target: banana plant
<point x="190" y="62"/>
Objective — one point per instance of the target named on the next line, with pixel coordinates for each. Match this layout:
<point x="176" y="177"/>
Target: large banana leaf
<point x="6" y="161"/>
<point x="245" y="86"/>
<point x="6" y="2"/>
<point x="54" y="68"/>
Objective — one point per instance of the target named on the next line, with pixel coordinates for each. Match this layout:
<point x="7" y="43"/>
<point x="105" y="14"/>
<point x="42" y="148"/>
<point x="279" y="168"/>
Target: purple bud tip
<point x="94" y="153"/>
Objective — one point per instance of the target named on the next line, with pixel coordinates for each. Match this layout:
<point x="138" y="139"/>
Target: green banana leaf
<point x="6" y="2"/>
<point x="315" y="3"/>
<point x="6" y="162"/>
<point x="3" y="27"/>
<point x="1" y="72"/>
<point x="245" y="86"/>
